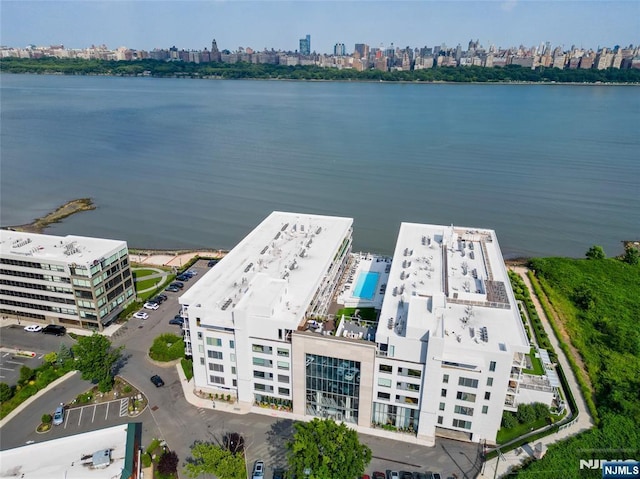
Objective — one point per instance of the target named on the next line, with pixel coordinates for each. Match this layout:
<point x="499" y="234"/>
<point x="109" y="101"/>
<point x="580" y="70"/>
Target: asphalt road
<point x="171" y="417"/>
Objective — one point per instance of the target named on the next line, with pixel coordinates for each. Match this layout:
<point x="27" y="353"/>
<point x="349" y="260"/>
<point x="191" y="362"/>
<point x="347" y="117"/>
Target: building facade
<point x="440" y="354"/>
<point x="72" y="280"/>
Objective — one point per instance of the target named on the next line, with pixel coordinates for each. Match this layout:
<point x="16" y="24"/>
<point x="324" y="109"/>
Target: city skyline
<point x="280" y="25"/>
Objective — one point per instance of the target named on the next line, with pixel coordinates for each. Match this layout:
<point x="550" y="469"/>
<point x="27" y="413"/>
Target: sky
<point x="148" y="24"/>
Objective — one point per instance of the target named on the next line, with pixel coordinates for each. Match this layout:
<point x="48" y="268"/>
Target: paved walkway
<point x="172" y="258"/>
<point x="507" y="461"/>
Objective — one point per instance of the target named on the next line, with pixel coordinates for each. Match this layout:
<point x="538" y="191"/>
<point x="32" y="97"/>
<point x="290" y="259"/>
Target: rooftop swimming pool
<point x="365" y="287"/>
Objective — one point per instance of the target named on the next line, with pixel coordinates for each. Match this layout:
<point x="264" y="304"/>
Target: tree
<point x="327" y="449"/>
<point x="6" y="392"/>
<point x="168" y="463"/>
<point x="631" y="255"/>
<point x="207" y="458"/>
<point x="595" y="252"/>
<point x="95" y="359"/>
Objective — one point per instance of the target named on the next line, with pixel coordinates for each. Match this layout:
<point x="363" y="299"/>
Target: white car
<point x="151" y="305"/>
<point x="33" y="328"/>
<point x="141" y="315"/>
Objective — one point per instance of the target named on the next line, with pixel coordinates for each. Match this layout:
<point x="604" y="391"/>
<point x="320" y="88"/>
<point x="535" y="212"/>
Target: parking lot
<point x="10" y="365"/>
<point x="87" y="417"/>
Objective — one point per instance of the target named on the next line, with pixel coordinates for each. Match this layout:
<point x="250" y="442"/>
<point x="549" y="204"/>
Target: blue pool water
<point x="366" y="285"/>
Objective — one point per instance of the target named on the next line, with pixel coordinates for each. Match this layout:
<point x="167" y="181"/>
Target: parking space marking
<point x="93" y="417"/>
<point x="7" y="369"/>
<point x="14" y="362"/>
<point x="124" y="406"/>
<point x="6" y="354"/>
<point x="106" y="414"/>
<point x="80" y="416"/>
<point x="66" y="419"/>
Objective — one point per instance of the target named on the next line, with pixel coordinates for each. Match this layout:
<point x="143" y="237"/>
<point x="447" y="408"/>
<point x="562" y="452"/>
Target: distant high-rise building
<point x="339" y="50"/>
<point x="305" y="45"/>
<point x="362" y="49"/>
<point x="215" y="53"/>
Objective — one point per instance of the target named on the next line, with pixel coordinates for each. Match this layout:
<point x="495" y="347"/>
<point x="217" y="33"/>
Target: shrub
<point x="187" y="367"/>
<point x="106" y="384"/>
<point x="526" y="413"/>
<point x="26" y="374"/>
<point x="46" y="418"/>
<point x="6" y="392"/>
<point x="509" y="421"/>
<point x="153" y="446"/>
<point x="146" y="460"/>
<point x="168" y="463"/>
<point x="167" y="347"/>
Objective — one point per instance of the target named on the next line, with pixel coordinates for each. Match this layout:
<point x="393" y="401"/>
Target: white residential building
<point x="72" y="280"/>
<point x="443" y="357"/>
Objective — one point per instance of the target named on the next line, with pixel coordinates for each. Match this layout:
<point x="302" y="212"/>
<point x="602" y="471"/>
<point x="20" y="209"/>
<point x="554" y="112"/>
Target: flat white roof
<point x="65" y="249"/>
<point x="450" y="282"/>
<point x="62" y="458"/>
<point x="273" y="272"/>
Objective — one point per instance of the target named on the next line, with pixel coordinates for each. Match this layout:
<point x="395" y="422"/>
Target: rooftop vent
<point x="319" y="230"/>
<point x="264" y="250"/>
<point x="249" y="266"/>
<point x="284" y="227"/>
<point x="226" y="304"/>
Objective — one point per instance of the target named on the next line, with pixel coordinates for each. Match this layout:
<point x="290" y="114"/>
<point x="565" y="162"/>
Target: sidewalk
<point x="507" y="461"/>
<point x="172" y="258"/>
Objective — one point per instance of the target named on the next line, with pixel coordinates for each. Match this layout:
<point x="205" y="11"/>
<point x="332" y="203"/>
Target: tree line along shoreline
<point x="262" y="71"/>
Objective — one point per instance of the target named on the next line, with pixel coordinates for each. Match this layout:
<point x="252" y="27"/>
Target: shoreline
<point x="321" y="80"/>
<point x="56" y="216"/>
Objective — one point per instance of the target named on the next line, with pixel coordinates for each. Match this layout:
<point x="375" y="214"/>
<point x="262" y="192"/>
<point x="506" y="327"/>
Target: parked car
<point x="172" y="289"/>
<point x="192" y="272"/>
<point x="150" y="305"/>
<point x="435" y="475"/>
<point x="58" y="416"/>
<point x="183" y="277"/>
<point x="233" y="442"/>
<point x="421" y="475"/>
<point x="379" y="475"/>
<point x="161" y="298"/>
<point x="278" y="473"/>
<point x="258" y="470"/>
<point x="33" y="328"/>
<point x="212" y="262"/>
<point x="177" y="284"/>
<point x="392" y="474"/>
<point x="54" y="329"/>
<point x="157" y="381"/>
<point x="141" y="315"/>
<point x="179" y="320"/>
<point x="406" y="475"/>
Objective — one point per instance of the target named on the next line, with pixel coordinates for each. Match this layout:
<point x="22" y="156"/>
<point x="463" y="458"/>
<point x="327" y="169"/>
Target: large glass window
<point x="401" y="418"/>
<point x="332" y="388"/>
<point x="471" y="383"/>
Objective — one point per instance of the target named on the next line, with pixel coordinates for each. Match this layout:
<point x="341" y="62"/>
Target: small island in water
<point x="69" y="208"/>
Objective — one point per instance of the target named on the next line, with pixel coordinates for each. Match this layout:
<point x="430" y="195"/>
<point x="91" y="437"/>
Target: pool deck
<point x="363" y="263"/>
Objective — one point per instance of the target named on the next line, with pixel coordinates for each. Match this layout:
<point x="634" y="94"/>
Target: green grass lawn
<point x="142" y="272"/>
<point x="146" y="284"/>
<point x="538" y="369"/>
<point x="368" y="314"/>
<point x="506" y="435"/>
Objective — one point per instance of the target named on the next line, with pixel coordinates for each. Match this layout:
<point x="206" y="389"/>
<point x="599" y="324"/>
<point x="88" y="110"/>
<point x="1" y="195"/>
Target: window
<point x="443" y="393"/>
<point x="485" y="409"/>
<point x="462" y="424"/>
<point x="283" y="353"/>
<point x="216" y="379"/>
<point x="262" y="375"/>
<point x="489" y="381"/>
<point x="439" y="419"/>
<point x="233" y="370"/>
<point x="384" y="396"/>
<point x="441" y="407"/>
<point x="283" y="391"/>
<point x="199" y="334"/>
<point x="468" y="382"/>
<point x="201" y="361"/>
<point x="214" y="354"/>
<point x="216" y="367"/>
<point x="214" y="342"/>
<point x="283" y="379"/>
<point x="385" y="368"/>
<point x="466" y="396"/>
<point x="263" y="387"/>
<point x="283" y="365"/>
<point x="201" y="348"/>
<point x="492" y="366"/>
<point x="384" y="382"/>
<point x="233" y="358"/>
<point x="445" y="379"/>
<point x="232" y="344"/>
<point x="467" y="411"/>
<point x="414" y="373"/>
<point x="262" y="362"/>
<point x="259" y="348"/>
<point x="487" y="395"/>
<point x="235" y="383"/>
